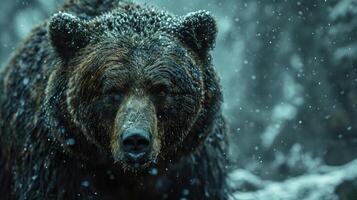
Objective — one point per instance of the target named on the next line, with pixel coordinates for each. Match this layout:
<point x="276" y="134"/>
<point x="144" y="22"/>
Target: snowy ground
<point x="332" y="183"/>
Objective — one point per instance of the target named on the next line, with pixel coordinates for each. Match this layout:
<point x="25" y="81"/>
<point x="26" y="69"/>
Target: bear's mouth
<point x="136" y="159"/>
<point x="135" y="166"/>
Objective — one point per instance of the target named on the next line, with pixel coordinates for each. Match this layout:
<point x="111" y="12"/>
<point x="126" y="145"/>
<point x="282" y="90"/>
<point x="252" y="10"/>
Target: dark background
<point x="289" y="76"/>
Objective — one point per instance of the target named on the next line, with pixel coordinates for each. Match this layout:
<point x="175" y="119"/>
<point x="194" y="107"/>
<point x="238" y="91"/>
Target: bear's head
<point x="133" y="87"/>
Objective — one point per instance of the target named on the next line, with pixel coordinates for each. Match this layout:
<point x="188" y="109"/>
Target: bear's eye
<point x="107" y="105"/>
<point x="162" y="94"/>
<point x="114" y="94"/>
<point x="115" y="98"/>
<point x="112" y="98"/>
<point x="160" y="91"/>
<point x="159" y="94"/>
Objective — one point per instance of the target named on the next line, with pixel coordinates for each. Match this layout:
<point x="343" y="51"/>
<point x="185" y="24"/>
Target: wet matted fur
<point x="94" y="69"/>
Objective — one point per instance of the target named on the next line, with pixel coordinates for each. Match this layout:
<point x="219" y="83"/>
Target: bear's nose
<point x="136" y="144"/>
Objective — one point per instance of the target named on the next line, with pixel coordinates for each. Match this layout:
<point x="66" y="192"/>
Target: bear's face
<point x="136" y="98"/>
<point x="136" y="94"/>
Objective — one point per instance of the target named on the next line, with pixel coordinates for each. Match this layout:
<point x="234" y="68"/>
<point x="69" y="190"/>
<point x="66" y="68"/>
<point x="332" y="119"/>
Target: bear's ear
<point x="67" y="34"/>
<point x="198" y="30"/>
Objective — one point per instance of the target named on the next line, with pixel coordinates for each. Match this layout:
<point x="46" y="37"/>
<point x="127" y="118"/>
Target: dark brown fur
<point x="81" y="78"/>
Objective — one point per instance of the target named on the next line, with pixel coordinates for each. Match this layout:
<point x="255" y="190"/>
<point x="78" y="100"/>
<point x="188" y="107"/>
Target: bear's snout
<point x="136" y="145"/>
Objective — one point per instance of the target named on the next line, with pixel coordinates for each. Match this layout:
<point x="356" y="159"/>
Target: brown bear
<point x="112" y="100"/>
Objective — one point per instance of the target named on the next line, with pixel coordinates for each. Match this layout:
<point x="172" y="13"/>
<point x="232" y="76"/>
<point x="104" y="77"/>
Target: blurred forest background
<point x="289" y="76"/>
